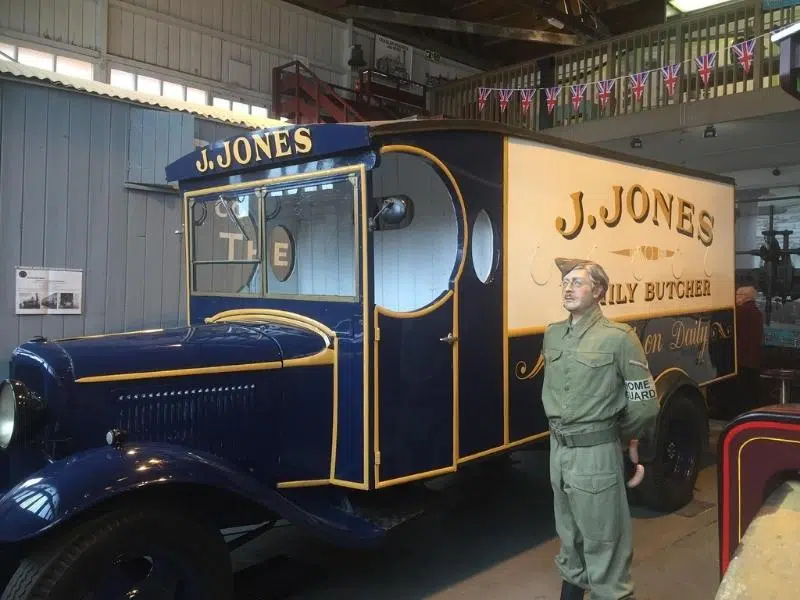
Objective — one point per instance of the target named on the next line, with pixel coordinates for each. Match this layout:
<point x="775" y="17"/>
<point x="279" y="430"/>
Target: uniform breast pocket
<point x="550" y="356"/>
<point x="595" y="372"/>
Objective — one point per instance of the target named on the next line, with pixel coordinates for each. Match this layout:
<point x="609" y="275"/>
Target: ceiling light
<point x="692" y="5"/>
<point x="555" y="23"/>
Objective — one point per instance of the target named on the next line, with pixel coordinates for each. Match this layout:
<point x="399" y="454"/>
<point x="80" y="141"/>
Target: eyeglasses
<point x="574" y="283"/>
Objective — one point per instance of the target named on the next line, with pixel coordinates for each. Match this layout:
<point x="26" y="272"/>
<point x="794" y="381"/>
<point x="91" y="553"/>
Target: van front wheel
<point x="680" y="446"/>
<point x="146" y="550"/>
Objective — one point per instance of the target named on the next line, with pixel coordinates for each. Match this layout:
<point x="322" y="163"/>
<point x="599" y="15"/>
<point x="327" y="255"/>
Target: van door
<point x="416" y="263"/>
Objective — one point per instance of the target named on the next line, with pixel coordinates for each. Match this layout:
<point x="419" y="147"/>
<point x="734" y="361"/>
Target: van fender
<point x="676" y="382"/>
<point x="67" y="488"/>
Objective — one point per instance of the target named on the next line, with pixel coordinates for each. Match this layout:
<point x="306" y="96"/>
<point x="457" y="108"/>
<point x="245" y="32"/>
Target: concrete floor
<point x="496" y="540"/>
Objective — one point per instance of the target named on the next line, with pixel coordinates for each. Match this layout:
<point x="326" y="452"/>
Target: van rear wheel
<point x="148" y="551"/>
<point x="680" y="446"/>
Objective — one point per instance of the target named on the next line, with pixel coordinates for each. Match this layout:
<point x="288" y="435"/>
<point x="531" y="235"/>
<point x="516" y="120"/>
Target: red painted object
<point x="757" y="452"/>
<point x="302" y="97"/>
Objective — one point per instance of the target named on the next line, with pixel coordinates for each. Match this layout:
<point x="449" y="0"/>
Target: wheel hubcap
<point x="155" y="576"/>
<point x="680" y="449"/>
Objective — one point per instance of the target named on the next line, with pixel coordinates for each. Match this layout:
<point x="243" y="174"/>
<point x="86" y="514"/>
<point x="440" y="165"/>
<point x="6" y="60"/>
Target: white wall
<point x="224" y="48"/>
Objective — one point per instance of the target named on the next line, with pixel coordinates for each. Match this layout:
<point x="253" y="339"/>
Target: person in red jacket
<point x="749" y="343"/>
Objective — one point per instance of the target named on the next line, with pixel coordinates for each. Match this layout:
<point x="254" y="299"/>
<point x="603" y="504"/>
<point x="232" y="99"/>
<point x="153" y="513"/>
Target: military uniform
<point x="598" y="391"/>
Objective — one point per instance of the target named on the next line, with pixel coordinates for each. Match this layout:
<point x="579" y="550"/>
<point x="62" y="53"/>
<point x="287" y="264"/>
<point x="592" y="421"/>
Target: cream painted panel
<point x="649" y="250"/>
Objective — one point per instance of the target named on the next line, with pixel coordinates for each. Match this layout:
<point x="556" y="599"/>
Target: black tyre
<point x="679" y="448"/>
<point x="133" y="551"/>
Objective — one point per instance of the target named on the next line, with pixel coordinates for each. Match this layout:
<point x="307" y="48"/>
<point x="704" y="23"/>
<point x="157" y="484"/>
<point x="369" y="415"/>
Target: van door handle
<point x="449" y="339"/>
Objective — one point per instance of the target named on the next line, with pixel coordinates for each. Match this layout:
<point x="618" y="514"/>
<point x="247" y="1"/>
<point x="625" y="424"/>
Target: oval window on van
<point x="483" y="252"/>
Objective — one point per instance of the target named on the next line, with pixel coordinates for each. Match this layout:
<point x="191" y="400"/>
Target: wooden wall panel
<point x="76" y="22"/>
<point x="236" y="43"/>
<point x="64" y="203"/>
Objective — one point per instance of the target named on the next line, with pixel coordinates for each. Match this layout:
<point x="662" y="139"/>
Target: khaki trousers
<point x="592" y="518"/>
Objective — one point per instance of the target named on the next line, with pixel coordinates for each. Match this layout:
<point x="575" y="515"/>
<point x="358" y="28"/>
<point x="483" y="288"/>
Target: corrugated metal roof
<point x="10" y="69"/>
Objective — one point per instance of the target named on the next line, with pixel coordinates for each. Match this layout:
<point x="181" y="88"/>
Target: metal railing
<point x="679" y="41"/>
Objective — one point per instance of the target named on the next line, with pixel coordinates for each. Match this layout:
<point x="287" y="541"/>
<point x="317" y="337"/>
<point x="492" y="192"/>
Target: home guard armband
<point x="637" y="390"/>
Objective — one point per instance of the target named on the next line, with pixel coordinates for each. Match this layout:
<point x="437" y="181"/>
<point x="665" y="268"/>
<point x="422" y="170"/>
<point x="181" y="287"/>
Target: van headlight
<point x="8" y="412"/>
<point x="20" y="412"/>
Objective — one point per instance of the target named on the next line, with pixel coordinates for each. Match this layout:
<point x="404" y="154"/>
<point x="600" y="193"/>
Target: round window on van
<point x="483" y="250"/>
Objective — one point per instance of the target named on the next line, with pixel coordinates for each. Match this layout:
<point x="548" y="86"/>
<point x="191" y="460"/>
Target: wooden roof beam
<point x="570" y="22"/>
<point x="431" y="22"/>
<point x="585" y="6"/>
<point x="468" y="4"/>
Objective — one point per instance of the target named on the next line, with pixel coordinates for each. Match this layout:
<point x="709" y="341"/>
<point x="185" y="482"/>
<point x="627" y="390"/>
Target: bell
<point x="356" y="57"/>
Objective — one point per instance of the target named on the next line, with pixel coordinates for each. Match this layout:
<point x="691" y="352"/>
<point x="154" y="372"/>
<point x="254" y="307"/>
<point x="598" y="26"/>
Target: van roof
<point x="334" y="138"/>
<point x="381" y="128"/>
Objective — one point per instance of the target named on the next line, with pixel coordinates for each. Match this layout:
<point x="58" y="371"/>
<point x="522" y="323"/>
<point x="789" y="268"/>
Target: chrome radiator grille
<point x="210" y="418"/>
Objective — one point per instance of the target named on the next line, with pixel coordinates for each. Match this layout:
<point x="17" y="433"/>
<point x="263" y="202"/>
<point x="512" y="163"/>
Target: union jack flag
<point x="483" y="95"/>
<point x="552" y="98"/>
<point x="705" y="64"/>
<point x="670" y="73"/>
<point x="605" y="91"/>
<point x="639" y="80"/>
<point x="505" y="95"/>
<point x="577" y="96"/>
<point x="744" y="53"/>
<point x="526" y="97"/>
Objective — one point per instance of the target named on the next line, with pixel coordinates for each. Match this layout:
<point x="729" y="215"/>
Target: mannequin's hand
<point x="633" y="453"/>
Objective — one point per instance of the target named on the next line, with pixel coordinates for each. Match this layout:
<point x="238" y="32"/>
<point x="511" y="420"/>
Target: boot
<point x="570" y="591"/>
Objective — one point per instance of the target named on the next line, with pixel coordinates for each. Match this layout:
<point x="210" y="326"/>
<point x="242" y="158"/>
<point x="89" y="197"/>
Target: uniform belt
<point x="587" y="438"/>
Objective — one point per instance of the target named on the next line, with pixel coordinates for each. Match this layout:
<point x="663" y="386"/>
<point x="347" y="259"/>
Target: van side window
<point x="226" y="243"/>
<point x="413" y="263"/>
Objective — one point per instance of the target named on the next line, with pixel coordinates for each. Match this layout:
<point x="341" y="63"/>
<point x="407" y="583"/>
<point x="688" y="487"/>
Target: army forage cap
<point x="565" y="265"/>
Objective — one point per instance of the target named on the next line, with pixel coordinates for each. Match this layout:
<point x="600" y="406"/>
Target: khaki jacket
<point x="596" y="375"/>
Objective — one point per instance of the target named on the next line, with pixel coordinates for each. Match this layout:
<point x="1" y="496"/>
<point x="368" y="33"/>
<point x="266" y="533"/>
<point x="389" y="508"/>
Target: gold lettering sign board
<point x="256" y="147"/>
<point x="666" y="240"/>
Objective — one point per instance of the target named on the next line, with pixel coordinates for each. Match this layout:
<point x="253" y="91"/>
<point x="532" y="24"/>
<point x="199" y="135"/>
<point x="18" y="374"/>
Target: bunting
<point x="526" y="97"/>
<point x="638" y="83"/>
<point x="505" y="95"/>
<point x="605" y="91"/>
<point x="552" y="98"/>
<point x="744" y="54"/>
<point x="670" y="75"/>
<point x="577" y="96"/>
<point x="483" y="95"/>
<point x="705" y="64"/>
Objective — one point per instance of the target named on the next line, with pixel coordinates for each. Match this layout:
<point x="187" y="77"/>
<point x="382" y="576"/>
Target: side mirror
<point x="393" y="212"/>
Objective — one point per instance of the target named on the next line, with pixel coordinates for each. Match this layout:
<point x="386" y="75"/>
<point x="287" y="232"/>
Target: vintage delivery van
<point x="365" y="310"/>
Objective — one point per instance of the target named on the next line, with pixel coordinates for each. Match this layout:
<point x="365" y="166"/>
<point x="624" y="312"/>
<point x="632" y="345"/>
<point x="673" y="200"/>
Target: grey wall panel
<point x="173" y="290"/>
<point x="117" y="221"/>
<point x="77" y="196"/>
<point x="210" y="131"/>
<point x="95" y="287"/>
<point x="64" y="163"/>
<point x="157" y="137"/>
<point x="56" y="177"/>
<point x="12" y="131"/>
<point x="135" y="245"/>
<point x="34" y="142"/>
